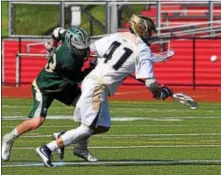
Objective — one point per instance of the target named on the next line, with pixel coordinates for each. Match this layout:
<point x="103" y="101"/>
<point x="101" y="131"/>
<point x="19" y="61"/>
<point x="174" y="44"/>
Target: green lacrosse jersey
<point x="62" y="69"/>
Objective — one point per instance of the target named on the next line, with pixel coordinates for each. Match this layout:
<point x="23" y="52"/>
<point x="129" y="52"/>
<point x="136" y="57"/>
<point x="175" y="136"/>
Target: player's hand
<point x="50" y="49"/>
<point x="165" y="92"/>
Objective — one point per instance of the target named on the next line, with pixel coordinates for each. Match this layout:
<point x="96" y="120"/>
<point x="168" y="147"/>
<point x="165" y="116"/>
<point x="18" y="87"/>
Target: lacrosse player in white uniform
<point x="120" y="54"/>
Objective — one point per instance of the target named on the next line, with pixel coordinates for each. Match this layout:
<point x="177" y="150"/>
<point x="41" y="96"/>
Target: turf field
<point x="146" y="138"/>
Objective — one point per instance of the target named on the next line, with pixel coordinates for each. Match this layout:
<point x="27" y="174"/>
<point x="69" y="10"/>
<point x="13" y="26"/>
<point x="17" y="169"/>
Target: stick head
<point x="162" y="56"/>
<point x="186" y="100"/>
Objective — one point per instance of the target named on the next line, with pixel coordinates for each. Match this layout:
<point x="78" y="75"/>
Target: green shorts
<point x="41" y="102"/>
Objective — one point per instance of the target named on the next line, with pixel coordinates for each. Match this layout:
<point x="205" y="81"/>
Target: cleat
<point x="60" y="151"/>
<point x="45" y="154"/>
<point x="7" y="143"/>
<point x="84" y="154"/>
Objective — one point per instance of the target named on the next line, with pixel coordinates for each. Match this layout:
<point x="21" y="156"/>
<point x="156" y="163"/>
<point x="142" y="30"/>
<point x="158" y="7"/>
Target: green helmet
<point x="77" y="40"/>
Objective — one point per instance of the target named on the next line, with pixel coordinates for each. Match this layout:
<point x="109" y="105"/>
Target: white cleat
<point x="84" y="154"/>
<point x="7" y="143"/>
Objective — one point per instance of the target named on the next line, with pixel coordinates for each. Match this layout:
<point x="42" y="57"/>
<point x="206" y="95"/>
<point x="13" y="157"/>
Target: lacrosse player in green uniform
<point x="57" y="80"/>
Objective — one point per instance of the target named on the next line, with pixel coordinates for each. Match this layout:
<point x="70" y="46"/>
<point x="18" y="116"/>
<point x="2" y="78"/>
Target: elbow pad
<point x="151" y="84"/>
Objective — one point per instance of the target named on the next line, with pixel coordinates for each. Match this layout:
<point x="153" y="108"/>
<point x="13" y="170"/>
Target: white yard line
<point x="112" y="119"/>
<point x="136" y="135"/>
<point x="126" y="125"/>
<point x="120" y="118"/>
<point x="134" y="147"/>
<point x="118" y="163"/>
<point x="147" y="109"/>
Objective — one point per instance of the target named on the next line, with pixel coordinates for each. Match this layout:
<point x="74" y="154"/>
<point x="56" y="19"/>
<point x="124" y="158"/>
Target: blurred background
<point x="191" y="28"/>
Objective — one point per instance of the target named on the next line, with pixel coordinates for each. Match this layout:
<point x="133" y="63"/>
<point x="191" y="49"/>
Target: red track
<point x="131" y="93"/>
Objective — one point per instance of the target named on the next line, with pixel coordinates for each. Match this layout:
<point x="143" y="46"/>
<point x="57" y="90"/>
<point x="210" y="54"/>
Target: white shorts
<point x="92" y="107"/>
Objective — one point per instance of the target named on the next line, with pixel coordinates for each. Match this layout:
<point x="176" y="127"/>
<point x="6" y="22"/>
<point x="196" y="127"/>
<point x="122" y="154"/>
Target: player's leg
<point x="81" y="150"/>
<point x="68" y="96"/>
<point x="101" y="124"/>
<point x="86" y="112"/>
<point x="37" y="117"/>
<point x="70" y="137"/>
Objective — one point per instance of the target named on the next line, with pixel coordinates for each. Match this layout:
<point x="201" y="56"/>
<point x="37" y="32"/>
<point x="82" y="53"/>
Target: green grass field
<point x="163" y="138"/>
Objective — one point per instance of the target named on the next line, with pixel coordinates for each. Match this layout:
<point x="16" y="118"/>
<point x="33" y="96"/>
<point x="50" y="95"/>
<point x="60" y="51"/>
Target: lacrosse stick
<point x="163" y="56"/>
<point x="186" y="100"/>
<point x="156" y="57"/>
<point x="180" y="97"/>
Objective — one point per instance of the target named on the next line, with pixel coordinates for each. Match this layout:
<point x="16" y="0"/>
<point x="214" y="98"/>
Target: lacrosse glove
<point x="51" y="50"/>
<point x="165" y="92"/>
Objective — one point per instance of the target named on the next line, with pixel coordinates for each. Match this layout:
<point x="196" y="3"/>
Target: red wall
<point x="207" y="71"/>
<point x="30" y="66"/>
<point x="178" y="70"/>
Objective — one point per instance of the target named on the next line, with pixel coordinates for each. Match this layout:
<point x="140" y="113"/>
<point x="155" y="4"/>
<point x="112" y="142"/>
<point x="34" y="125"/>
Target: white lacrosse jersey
<point x="120" y="57"/>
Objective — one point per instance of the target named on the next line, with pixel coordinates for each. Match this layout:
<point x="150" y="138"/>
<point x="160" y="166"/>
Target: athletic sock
<point x="52" y="145"/>
<point x="13" y="134"/>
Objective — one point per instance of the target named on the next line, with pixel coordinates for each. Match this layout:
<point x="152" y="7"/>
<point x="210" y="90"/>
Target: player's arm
<point x="144" y="70"/>
<point x="157" y="91"/>
<point x="85" y="72"/>
<point x="92" y="64"/>
<point x="57" y="35"/>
